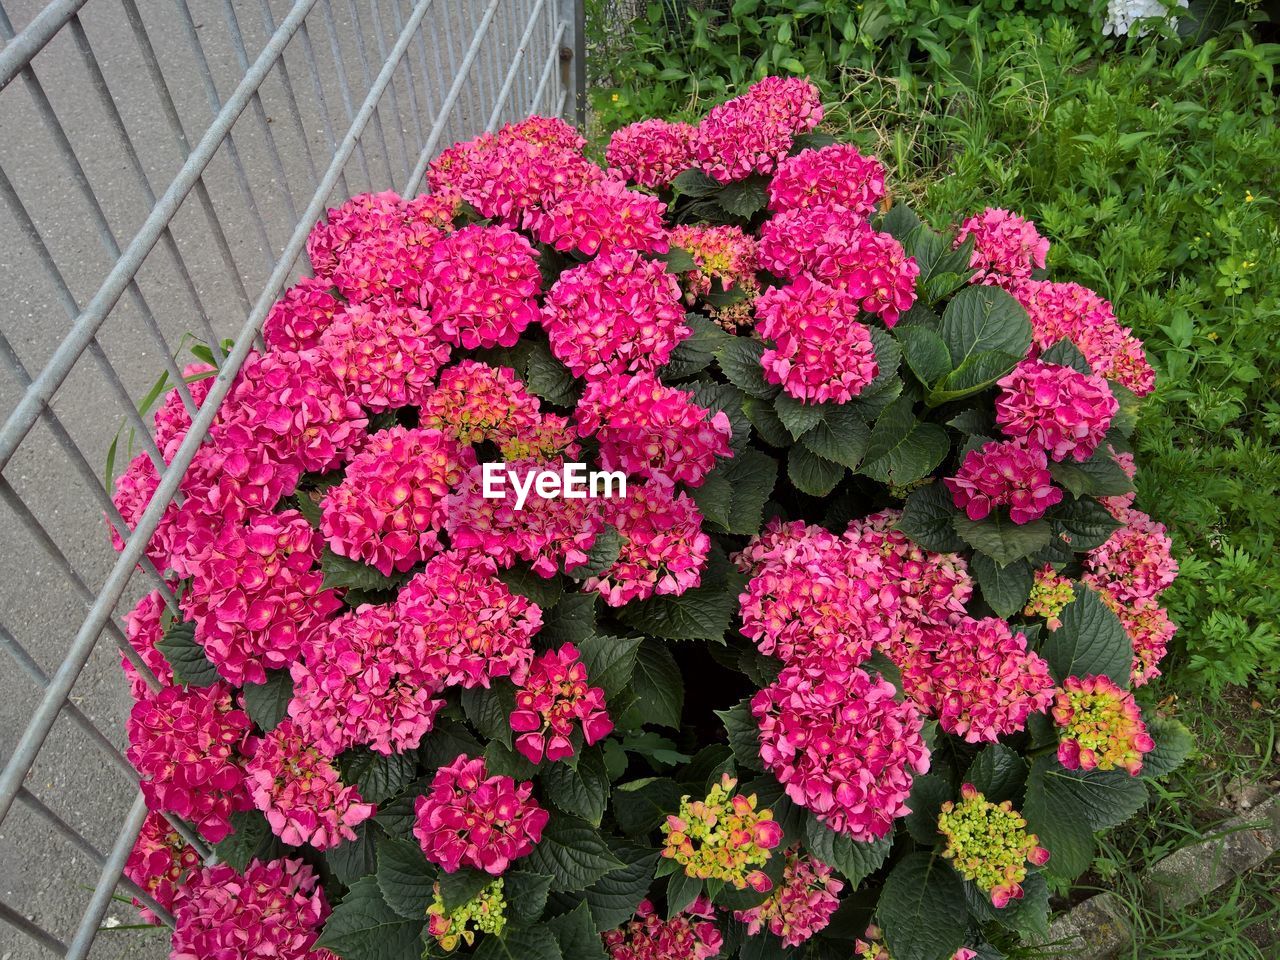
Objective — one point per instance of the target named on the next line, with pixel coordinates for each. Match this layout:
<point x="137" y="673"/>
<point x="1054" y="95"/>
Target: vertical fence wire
<point x="261" y="112"/>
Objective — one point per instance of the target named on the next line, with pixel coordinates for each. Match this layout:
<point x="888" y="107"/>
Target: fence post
<point x="573" y="58"/>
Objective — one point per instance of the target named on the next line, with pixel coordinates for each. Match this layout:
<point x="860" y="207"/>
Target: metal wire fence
<point x="161" y="162"/>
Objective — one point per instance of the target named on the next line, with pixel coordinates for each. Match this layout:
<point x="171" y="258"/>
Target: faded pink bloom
<point x="1064" y="412"/>
<point x="820" y="352"/>
<point x="978" y="678"/>
<point x="300" y="790"/>
<point x="1136" y="562"/>
<point x="726" y="261"/>
<point x="1006" y="247"/>
<point x="276" y="909"/>
<point x="836" y="175"/>
<point x="651" y="430"/>
<point x="1149" y="629"/>
<point x="469" y="628"/>
<point x="800" y="906"/>
<point x="842" y="745"/>
<point x="186" y="744"/>
<point x="690" y="935"/>
<point x="1008" y="473"/>
<point x="390" y="508"/>
<point x="618" y="313"/>
<point x="472" y="819"/>
<point x="159" y="863"/>
<point x="553" y="701"/>
<point x="651" y="153"/>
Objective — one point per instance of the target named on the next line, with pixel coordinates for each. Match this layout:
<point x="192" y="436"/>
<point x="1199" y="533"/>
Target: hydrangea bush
<point x="852" y="668"/>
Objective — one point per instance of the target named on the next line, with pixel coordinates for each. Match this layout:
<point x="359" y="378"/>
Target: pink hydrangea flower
<point x="1063" y="411"/>
<point x="364" y="680"/>
<point x="159" y="863"/>
<point x="391" y="506"/>
<point x="474" y="402"/>
<point x="1136" y="562"/>
<point x="836" y="175"/>
<point x="1068" y="311"/>
<point x="1149" y="629"/>
<point x="144" y="629"/>
<point x="690" y="935"/>
<point x="808" y="614"/>
<point x="820" y="351"/>
<point x="651" y="153"/>
<point x="1102" y="726"/>
<point x="800" y="906"/>
<point x="725" y="258"/>
<point x="171" y="418"/>
<point x="841" y="745"/>
<point x="663" y="549"/>
<point x="1008" y="473"/>
<point x="723" y="836"/>
<point x="784" y="544"/>
<point x="296" y="321"/>
<point x="978" y="678"/>
<point x="1006" y="247"/>
<point x="384" y="355"/>
<point x="276" y="909"/>
<point x="481" y="286"/>
<point x="651" y="430"/>
<point x="300" y="790"/>
<point x="469" y="627"/>
<point x="549" y="533"/>
<point x="186" y="744"/>
<point x="1117" y="505"/>
<point x="472" y="819"/>
<point x="256" y="595"/>
<point x="287" y="405"/>
<point x="553" y="701"/>
<point x="602" y="217"/>
<point x="350" y="222"/>
<point x="833" y="245"/>
<point x="754" y="132"/>
<point x="618" y="313"/>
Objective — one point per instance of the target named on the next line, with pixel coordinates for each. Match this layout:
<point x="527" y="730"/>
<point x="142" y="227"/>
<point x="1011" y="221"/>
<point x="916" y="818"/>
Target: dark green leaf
<point x="903" y="449"/>
<point x="927" y="519"/>
<point x="744" y="735"/>
<point x="1126" y="418"/>
<point x="1086" y="523"/>
<point x="353" y="859"/>
<point x="977" y="373"/>
<point x="268" y="703"/>
<point x="185" y="657"/>
<point x="405" y="877"/>
<point x="251" y="839"/>
<point x="1090" y="641"/>
<point x="572" y="620"/>
<point x="548" y="378"/>
<point x="733" y="495"/>
<point x="696" y="351"/>
<point x="695" y="183"/>
<point x="489" y="710"/>
<point x="1174" y="744"/>
<point x="682" y="890"/>
<point x="581" y="789"/>
<point x="700" y="613"/>
<point x="1005" y="589"/>
<point x="602" y="555"/>
<point x="445" y="743"/>
<point x="344" y="572"/>
<point x="396" y="817"/>
<point x="1099" y="477"/>
<point x="614" y="897"/>
<point x="364" y="927"/>
<point x="922" y="910"/>
<point x="658" y="684"/>
<point x="522" y="581"/>
<point x="739" y="361"/>
<point x="984" y="319"/>
<point x="899" y="222"/>
<point x="461" y="886"/>
<point x="727" y="399"/>
<point x="572" y="853"/>
<point x="502" y="761"/>
<point x="812" y="474"/>
<point x="525" y="893"/>
<point x="1065" y="354"/>
<point x="925" y="352"/>
<point x="853" y="860"/>
<point x="998" y="773"/>
<point x="520" y="943"/>
<point x="641" y="805"/>
<point x="743" y="198"/>
<point x="576" y="932"/>
<point x="763" y="417"/>
<point x="928" y="794"/>
<point x="841" y="436"/>
<point x="798" y="417"/>
<point x="610" y="662"/>
<point x="378" y="776"/>
<point x="678" y="260"/>
<point x="1000" y="538"/>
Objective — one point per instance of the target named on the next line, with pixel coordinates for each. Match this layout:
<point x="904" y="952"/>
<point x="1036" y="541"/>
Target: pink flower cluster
<point x="257" y="597"/>
<point x="1006" y="247"/>
<point x="807" y="614"/>
<point x="725" y="256"/>
<point x="618" y="313"/>
<point x="1064" y="412"/>
<point x="389" y="509"/>
<point x="1068" y="311"/>
<point x="651" y="430"/>
<point x="754" y="132"/>
<point x="650" y="153"/>
<point x="841" y="745"/>
<point x="800" y="906"/>
<point x="144" y="629"/>
<point x="300" y="790"/>
<point x="275" y="909"/>
<point x="1102" y="727"/>
<point x="690" y="935"/>
<point x="1149" y="629"/>
<point x="472" y="819"/>
<point x="385" y="355"/>
<point x="663" y="550"/>
<point x="481" y="286"/>
<point x="978" y="678"/>
<point x="1004" y="473"/>
<point x="820" y="351"/>
<point x="605" y="216"/>
<point x="187" y="744"/>
<point x="300" y="317"/>
<point x="469" y="627"/>
<point x="833" y="245"/>
<point x="160" y="863"/>
<point x="1136" y="562"/>
<point x="836" y="175"/>
<point x="553" y="701"/>
<point x="364" y="680"/>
